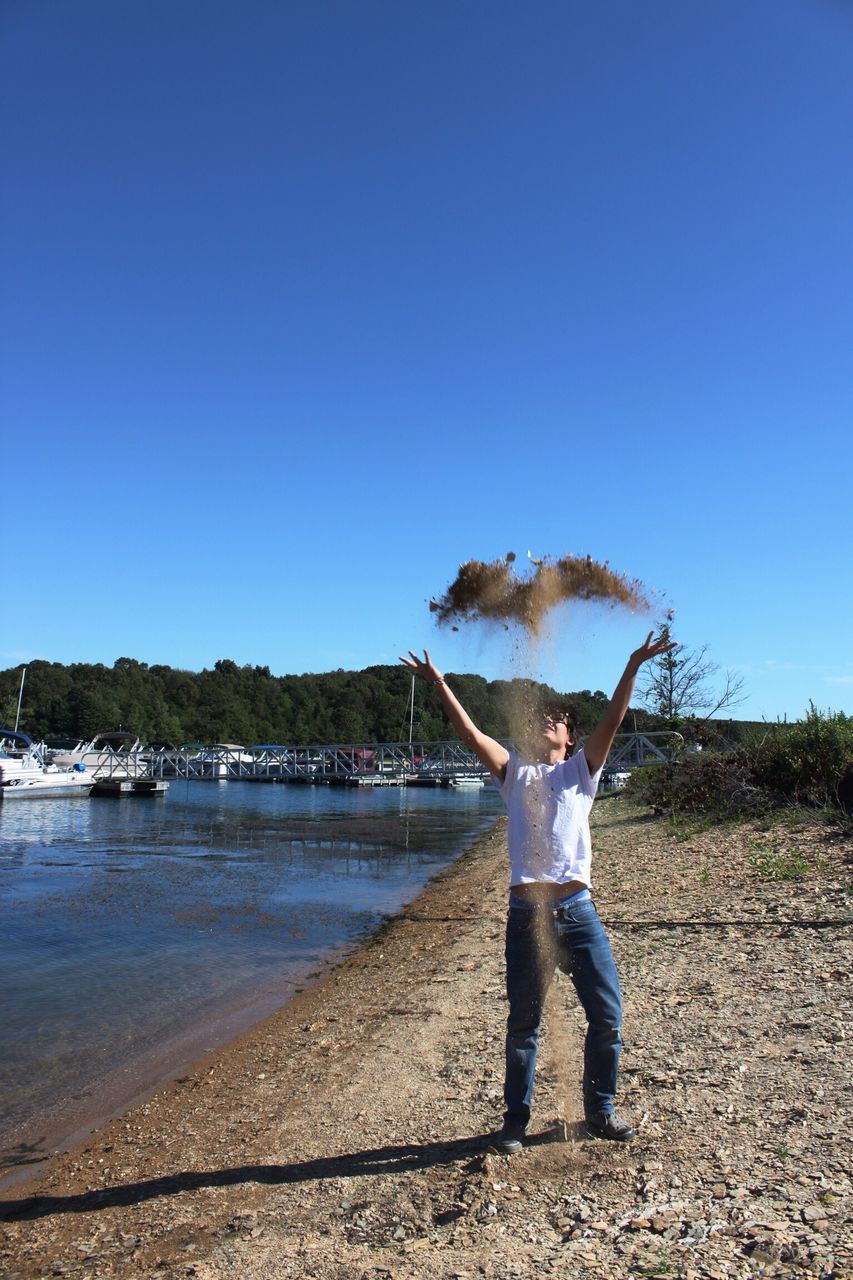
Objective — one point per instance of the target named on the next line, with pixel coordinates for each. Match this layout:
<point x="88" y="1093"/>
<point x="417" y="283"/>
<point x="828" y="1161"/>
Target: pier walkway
<point x="389" y="763"/>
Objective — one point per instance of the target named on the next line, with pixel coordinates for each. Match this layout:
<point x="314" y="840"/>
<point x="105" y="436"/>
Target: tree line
<point x="249" y="705"/>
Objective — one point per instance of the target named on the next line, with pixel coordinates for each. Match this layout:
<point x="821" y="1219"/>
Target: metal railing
<point x="398" y="760"/>
<point x="634" y="750"/>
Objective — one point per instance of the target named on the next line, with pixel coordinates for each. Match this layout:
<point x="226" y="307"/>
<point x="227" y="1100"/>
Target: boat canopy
<point x="115" y="739"/>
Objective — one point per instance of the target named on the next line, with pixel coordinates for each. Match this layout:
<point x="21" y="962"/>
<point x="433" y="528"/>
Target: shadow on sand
<point x="380" y="1160"/>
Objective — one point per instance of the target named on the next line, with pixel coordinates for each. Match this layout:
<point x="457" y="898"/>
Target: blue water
<point x="125" y="922"/>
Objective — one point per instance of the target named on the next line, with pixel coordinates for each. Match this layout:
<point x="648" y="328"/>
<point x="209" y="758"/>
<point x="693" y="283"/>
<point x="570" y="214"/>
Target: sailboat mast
<point x="20" y="696"/>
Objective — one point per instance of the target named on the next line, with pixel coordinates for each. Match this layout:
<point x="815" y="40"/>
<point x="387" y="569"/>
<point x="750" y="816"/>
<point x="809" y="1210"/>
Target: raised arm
<point x="597" y="746"/>
<point x="489" y="752"/>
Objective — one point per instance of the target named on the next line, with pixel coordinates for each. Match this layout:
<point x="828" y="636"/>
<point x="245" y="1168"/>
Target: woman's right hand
<point x="426" y="669"/>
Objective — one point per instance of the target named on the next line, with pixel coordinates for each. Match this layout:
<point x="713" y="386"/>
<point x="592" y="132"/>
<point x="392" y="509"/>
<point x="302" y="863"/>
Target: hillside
<point x="248" y="704"/>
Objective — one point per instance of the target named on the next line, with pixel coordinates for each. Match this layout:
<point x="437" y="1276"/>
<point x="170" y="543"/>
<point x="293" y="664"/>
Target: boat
<point x="221" y="760"/>
<point x="24" y="771"/>
<point x="468" y="780"/>
<point x="614" y="779"/>
<point x="115" y="754"/>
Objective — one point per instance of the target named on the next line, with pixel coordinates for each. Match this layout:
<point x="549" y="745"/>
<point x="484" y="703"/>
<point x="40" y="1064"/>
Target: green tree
<point x="248" y="704"/>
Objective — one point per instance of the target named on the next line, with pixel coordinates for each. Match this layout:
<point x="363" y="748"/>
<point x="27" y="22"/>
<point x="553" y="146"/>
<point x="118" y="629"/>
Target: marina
<point x="115" y="762"/>
<point x="409" y="763"/>
<point x="117" y="765"/>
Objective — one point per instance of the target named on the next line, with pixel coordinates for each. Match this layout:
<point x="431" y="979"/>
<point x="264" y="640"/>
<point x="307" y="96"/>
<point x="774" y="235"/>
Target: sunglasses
<point x="555" y="717"/>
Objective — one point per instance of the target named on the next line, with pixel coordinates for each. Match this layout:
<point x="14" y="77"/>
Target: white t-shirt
<point x="548" y="807"/>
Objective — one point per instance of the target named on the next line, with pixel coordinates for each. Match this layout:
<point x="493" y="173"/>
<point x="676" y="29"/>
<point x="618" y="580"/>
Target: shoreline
<point x="68" y="1124"/>
<point x="69" y="1121"/>
<point x="348" y="1134"/>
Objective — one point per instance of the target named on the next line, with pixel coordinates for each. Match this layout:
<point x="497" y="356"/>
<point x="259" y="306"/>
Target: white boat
<point x="108" y="755"/>
<point x="221" y="760"/>
<point x="614" y="779"/>
<point x="467" y="780"/>
<point x="23" y="771"/>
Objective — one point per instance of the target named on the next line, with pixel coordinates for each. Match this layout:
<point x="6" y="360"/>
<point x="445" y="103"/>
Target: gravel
<point x="347" y="1137"/>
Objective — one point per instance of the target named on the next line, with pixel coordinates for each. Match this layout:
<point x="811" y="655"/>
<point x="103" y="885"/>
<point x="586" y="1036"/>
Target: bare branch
<point x="685" y="683"/>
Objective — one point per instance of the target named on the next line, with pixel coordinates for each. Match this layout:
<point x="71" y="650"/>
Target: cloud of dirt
<point x="495" y="592"/>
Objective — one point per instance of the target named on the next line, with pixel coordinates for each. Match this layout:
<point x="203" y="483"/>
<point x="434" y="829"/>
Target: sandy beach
<point x="347" y="1135"/>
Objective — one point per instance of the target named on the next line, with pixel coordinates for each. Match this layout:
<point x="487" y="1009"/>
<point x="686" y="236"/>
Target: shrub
<point x="809" y="762"/>
<point x="700" y="784"/>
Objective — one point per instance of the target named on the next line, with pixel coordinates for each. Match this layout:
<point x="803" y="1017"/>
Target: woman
<point x="552" y="920"/>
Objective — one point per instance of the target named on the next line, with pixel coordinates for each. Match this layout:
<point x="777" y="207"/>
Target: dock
<point x="370" y="765"/>
<point x="374" y="764"/>
<point x="129" y="787"/>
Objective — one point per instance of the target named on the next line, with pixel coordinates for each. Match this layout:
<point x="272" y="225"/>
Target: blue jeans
<point x="540" y="938"/>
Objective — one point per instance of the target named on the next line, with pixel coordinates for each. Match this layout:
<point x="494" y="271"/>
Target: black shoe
<point x="510" y="1140"/>
<point x="610" y="1126"/>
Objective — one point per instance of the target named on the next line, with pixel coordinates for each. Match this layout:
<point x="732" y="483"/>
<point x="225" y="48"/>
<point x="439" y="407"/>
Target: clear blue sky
<point x="304" y="304"/>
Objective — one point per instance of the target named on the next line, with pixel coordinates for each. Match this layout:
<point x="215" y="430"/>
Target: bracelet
<point x="440" y="680"/>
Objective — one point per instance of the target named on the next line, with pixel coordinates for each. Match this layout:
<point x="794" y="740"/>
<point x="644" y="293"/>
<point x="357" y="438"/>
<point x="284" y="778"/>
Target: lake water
<point x="130" y="927"/>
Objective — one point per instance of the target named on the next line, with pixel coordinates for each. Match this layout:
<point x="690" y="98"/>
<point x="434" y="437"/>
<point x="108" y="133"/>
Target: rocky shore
<point x="347" y="1136"/>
